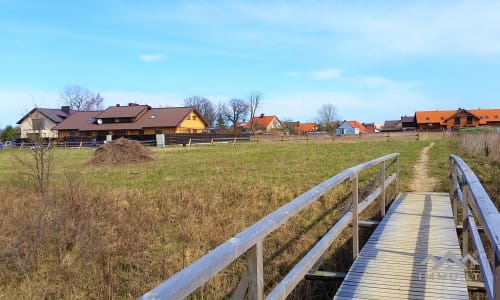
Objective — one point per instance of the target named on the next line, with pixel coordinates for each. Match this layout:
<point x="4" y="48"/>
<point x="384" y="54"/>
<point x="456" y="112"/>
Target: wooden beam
<point x="326" y="276"/>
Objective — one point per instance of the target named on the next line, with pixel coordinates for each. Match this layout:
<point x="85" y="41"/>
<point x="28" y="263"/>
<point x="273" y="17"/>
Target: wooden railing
<point x="467" y="191"/>
<point x="250" y="241"/>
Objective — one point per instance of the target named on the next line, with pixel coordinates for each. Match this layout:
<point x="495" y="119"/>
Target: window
<point x="457" y="120"/>
<point x="469" y="120"/>
<point x="193" y="118"/>
<point x="188" y="118"/>
<point x="38" y="124"/>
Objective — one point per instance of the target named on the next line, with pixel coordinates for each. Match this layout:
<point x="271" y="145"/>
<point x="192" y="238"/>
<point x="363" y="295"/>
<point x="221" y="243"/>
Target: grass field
<point x="116" y="232"/>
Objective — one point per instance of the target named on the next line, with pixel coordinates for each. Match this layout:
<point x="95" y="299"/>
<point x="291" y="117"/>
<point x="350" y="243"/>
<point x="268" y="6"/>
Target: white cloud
<point x="326" y="74"/>
<point x="151" y="57"/>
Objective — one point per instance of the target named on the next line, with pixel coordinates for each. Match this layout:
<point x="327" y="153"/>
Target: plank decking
<point x="413" y="254"/>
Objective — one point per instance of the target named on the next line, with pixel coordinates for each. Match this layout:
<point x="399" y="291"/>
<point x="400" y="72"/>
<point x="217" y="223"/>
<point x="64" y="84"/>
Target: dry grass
<point x="481" y="150"/>
<point x="116" y="232"/>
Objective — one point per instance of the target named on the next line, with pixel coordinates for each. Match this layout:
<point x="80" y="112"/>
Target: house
<point x="408" y="123"/>
<point x="300" y="128"/>
<point x="133" y="119"/>
<point x="350" y="128"/>
<point x="455" y="119"/>
<point x="304" y="128"/>
<point x="41" y="121"/>
<point x="263" y="123"/>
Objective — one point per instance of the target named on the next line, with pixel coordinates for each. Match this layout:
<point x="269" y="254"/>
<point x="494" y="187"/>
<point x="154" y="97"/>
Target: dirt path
<point x="422" y="181"/>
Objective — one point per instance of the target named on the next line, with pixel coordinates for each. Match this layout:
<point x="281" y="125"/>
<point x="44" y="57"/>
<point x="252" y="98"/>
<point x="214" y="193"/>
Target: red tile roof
<point x="307" y="127"/>
<point x="440" y="116"/>
<point x="260" y="122"/>
<point x="356" y="124"/>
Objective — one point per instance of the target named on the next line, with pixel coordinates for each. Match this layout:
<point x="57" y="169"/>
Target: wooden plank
<point x="255" y="258"/>
<point x="395" y="262"/>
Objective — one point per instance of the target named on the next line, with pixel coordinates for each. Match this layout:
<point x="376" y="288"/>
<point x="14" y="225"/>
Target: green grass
<point x="118" y="231"/>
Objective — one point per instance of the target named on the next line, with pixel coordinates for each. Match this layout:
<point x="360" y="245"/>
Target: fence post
<point x="355" y="225"/>
<point x="234" y="141"/>
<point x="382" y="196"/>
<point x="255" y="258"/>
<point x="212" y="141"/>
<point x="189" y="144"/>
<point x="465" y="224"/>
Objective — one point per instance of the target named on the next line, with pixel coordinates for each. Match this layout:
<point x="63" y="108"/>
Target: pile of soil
<point x="119" y="152"/>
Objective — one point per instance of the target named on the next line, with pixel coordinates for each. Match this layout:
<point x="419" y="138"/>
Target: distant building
<point x="263" y="123"/>
<point x="41" y="122"/>
<point x="350" y="128"/>
<point x="133" y="119"/>
<point x="456" y="119"/>
<point x="392" y="125"/>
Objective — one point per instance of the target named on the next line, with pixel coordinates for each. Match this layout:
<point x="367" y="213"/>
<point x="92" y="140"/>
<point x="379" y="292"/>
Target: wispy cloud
<point x="151" y="57"/>
<point x="326" y="74"/>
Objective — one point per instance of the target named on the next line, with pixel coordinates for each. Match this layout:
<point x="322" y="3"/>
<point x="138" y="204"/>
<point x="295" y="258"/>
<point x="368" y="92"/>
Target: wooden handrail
<point x="249" y="241"/>
<point x="468" y="191"/>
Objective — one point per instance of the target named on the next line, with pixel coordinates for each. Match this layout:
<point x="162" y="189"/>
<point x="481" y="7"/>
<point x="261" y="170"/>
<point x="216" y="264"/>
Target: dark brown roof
<point x="154" y="117"/>
<point x="408" y="119"/>
<point x="53" y="114"/>
<point x="77" y="120"/>
<point x="122" y="111"/>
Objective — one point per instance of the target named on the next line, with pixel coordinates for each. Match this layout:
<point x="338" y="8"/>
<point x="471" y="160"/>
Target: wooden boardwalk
<point x="413" y="253"/>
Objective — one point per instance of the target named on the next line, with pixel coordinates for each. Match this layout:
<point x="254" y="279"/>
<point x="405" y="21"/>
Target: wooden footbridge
<point x="413" y="253"/>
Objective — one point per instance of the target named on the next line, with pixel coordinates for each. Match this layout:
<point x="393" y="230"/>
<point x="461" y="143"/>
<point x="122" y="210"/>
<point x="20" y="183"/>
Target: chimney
<point x="117" y="105"/>
<point x="66" y="109"/>
<point x="133" y="104"/>
<point x="262" y="115"/>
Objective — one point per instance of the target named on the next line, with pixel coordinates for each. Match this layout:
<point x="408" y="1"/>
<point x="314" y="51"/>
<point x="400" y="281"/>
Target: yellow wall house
<point x="41" y="122"/>
<point x="132" y="119"/>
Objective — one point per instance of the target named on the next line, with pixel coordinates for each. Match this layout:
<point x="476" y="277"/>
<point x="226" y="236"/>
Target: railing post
<point x="496" y="277"/>
<point x="355" y="225"/>
<point x="255" y="257"/>
<point x="382" y="196"/>
<point x="397" y="174"/>
<point x="465" y="225"/>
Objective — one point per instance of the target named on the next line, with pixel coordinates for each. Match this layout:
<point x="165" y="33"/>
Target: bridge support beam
<point x="382" y="196"/>
<point x="355" y="223"/>
<point x="496" y="277"/>
<point x="465" y="225"/>
<point x="255" y="257"/>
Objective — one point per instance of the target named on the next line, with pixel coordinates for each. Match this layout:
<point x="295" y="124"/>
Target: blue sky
<point x="374" y="60"/>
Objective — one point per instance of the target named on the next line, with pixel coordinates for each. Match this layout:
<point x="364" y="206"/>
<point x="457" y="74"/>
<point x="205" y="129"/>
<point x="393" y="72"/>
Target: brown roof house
<point x="41" y="121"/>
<point x="133" y="119"/>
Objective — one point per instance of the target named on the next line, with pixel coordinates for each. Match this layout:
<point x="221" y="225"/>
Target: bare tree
<point x="327" y="117"/>
<point x="37" y="164"/>
<point x="235" y="111"/>
<point x="81" y="98"/>
<point x="95" y="103"/>
<point x="204" y="106"/>
<point x="253" y="105"/>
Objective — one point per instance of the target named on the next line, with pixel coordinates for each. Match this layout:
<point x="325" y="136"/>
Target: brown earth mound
<point x="119" y="152"/>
